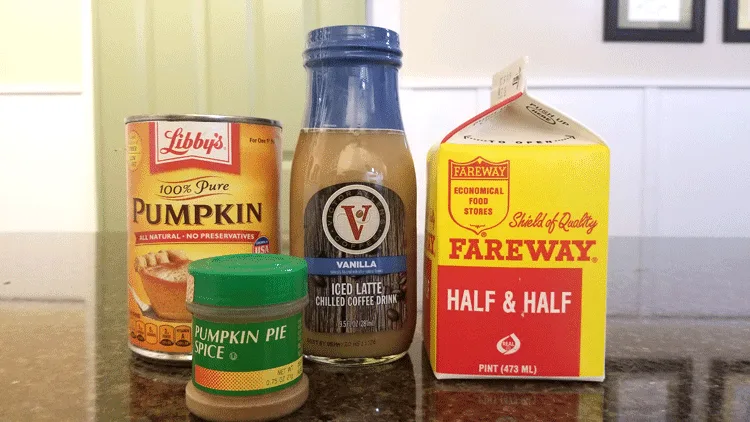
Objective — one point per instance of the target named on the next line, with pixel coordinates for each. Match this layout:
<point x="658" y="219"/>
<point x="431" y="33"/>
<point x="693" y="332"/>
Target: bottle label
<point x="355" y="247"/>
<point x="242" y="359"/>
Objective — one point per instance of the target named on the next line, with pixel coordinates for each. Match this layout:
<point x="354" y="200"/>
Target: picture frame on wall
<point x="736" y="21"/>
<point x="679" y="21"/>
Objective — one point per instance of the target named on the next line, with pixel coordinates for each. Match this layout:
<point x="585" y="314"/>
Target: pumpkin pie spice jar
<point x="247" y="323"/>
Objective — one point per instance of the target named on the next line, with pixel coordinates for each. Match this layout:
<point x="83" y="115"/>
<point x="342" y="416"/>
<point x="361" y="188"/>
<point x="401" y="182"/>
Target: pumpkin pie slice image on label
<point x="164" y="275"/>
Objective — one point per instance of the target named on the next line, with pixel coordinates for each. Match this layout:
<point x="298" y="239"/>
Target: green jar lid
<point x="247" y="280"/>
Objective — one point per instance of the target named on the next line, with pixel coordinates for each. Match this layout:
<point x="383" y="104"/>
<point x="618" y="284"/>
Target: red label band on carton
<point x="517" y="321"/>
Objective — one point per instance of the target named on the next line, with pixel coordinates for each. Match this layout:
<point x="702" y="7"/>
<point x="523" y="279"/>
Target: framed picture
<point x="655" y="20"/>
<point x="736" y="20"/>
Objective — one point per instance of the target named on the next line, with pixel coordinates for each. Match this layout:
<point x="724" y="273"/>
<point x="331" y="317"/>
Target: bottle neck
<point x="353" y="95"/>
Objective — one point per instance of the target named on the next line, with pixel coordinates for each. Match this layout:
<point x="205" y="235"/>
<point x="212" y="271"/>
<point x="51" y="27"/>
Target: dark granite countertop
<point x="678" y="346"/>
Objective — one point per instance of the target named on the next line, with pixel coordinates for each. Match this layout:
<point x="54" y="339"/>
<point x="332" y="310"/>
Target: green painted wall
<point x="200" y="56"/>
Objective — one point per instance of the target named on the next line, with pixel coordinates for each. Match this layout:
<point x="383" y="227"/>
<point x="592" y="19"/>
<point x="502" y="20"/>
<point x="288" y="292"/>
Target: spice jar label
<point x="355" y="248"/>
<point x="240" y="359"/>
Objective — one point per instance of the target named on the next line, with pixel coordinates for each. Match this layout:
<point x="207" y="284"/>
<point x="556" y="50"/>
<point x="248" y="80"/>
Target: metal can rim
<point x="202" y="118"/>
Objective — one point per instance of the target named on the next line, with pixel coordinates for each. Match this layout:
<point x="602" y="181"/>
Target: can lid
<point x="201" y="118"/>
<point x="247" y="280"/>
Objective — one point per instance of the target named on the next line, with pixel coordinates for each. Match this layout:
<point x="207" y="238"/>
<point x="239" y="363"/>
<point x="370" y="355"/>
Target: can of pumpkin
<point x="198" y="186"/>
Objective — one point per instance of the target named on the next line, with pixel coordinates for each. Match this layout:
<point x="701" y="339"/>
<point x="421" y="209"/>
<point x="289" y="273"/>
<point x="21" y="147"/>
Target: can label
<point x="195" y="190"/>
<point x="247" y="358"/>
<point x="355" y="247"/>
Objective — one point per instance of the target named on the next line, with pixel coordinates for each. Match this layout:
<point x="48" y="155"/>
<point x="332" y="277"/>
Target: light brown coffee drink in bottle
<point x="353" y="200"/>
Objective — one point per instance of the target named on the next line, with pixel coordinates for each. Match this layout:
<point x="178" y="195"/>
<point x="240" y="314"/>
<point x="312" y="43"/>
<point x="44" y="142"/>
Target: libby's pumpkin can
<point x="198" y="186"/>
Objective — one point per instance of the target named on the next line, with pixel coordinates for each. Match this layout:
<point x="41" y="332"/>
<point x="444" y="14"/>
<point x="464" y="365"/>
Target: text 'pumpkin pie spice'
<point x="198" y="187"/>
<point x="247" y="352"/>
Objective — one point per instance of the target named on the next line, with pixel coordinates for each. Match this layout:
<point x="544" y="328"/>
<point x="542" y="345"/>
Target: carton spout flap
<point x="516" y="118"/>
<point x="510" y="82"/>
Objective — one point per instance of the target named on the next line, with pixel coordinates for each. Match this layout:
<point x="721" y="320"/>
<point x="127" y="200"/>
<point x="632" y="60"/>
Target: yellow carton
<point x="516" y="243"/>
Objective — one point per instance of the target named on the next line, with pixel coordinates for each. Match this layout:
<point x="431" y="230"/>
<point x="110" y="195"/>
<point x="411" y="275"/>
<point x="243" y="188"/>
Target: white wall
<point x="41" y="41"/>
<point x="679" y="155"/>
<point x="47" y="165"/>
<point x="458" y="38"/>
<point x="675" y="116"/>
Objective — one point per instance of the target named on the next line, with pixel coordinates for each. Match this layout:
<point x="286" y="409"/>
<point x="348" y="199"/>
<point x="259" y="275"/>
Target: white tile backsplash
<point x="703" y="182"/>
<point x="693" y="287"/>
<point x="64" y="268"/>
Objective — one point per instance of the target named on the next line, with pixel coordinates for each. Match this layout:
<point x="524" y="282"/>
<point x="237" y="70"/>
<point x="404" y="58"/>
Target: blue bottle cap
<point x="352" y="43"/>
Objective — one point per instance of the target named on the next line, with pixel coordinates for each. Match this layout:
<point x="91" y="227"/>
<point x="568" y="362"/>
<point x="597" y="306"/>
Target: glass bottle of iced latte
<point x="353" y="200"/>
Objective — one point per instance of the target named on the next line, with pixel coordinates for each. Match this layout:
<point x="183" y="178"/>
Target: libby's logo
<point x="478" y="193"/>
<point x="180" y="142"/>
<point x="207" y="145"/>
<point x="356" y="219"/>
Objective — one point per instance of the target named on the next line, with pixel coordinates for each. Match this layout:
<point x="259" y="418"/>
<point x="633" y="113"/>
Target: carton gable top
<point x="517" y="119"/>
